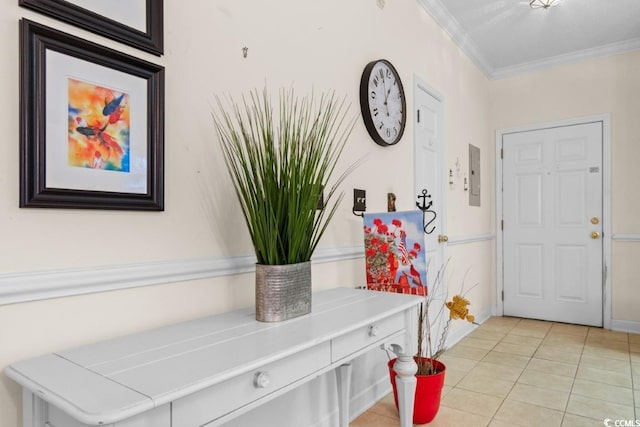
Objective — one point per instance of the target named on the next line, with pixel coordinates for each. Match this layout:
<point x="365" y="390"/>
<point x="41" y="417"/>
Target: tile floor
<point x="520" y="372"/>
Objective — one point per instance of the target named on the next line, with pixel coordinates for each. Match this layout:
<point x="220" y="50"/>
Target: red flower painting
<point x="393" y="255"/>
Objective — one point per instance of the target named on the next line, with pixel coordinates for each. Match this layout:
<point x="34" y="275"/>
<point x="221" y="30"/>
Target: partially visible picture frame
<point x="137" y="23"/>
<point x="91" y="125"/>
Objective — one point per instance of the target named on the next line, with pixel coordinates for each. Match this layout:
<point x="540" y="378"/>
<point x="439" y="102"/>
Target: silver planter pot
<point x="283" y="291"/>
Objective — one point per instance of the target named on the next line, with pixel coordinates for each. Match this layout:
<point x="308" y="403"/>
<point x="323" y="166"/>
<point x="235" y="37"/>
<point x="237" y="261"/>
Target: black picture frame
<point x="36" y="41"/>
<point x="151" y="40"/>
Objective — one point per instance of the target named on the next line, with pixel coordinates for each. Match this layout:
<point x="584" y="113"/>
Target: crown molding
<point x="450" y="25"/>
<point x="570" y="58"/>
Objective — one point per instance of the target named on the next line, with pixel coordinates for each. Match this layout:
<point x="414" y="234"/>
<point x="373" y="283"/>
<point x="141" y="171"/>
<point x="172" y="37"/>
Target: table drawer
<point x="365" y="336"/>
<point x="211" y="403"/>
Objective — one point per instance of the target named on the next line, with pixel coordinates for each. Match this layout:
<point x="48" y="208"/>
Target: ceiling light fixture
<point x="542" y="4"/>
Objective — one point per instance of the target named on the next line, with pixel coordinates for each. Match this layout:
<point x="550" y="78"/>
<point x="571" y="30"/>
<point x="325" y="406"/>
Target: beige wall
<point x="296" y="43"/>
<point x="604" y="85"/>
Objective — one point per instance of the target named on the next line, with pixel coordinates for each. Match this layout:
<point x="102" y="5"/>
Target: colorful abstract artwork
<point x="99" y="124"/>
<point x="394" y="253"/>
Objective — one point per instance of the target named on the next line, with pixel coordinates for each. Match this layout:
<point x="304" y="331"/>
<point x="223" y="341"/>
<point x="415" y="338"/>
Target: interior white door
<point x="428" y="150"/>
<point x="552" y="212"/>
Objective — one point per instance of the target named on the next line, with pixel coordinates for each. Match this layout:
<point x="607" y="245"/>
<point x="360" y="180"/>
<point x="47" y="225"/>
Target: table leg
<point x="343" y="379"/>
<point x="406" y="368"/>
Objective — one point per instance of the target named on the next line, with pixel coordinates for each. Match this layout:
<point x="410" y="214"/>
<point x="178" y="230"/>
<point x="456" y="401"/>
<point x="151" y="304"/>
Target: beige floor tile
<point x="494" y="370"/>
<point x="445" y="390"/>
<point x="467" y="352"/>
<point x="520" y="350"/>
<point x="544" y="397"/>
<point x="613" y="345"/>
<point x="506" y="359"/>
<point x="501" y="321"/>
<point x="458" y="363"/>
<point x="571" y="420"/>
<point x="567" y="329"/>
<point x="530" y="331"/>
<point x="487" y="334"/>
<point x="606" y="352"/>
<point x="498" y="423"/>
<point x="521" y="340"/>
<point x="634" y="347"/>
<point x="473" y="402"/>
<point x="598" y="409"/>
<point x="453" y="377"/>
<point x="553" y="367"/>
<point x="558" y="354"/>
<point x="523" y="414"/>
<point x="386" y="406"/>
<point x="448" y="417"/>
<point x="478" y="343"/>
<point x="607" y="334"/>
<point x="636" y="383"/>
<point x="610" y="393"/>
<point x="369" y="419"/>
<point x="634" y="338"/>
<point x="635" y="358"/>
<point x="481" y="384"/>
<point x="603" y="376"/>
<point x="621" y="366"/>
<point x="562" y="339"/>
<point x="546" y="380"/>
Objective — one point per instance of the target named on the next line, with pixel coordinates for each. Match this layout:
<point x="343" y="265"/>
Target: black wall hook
<point x="425" y="207"/>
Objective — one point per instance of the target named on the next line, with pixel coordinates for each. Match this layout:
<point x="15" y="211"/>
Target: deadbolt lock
<point x="595" y="220"/>
<point x="442" y="238"/>
<point x="595" y="234"/>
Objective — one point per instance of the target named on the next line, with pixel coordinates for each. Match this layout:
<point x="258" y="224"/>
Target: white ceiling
<point x="507" y="37"/>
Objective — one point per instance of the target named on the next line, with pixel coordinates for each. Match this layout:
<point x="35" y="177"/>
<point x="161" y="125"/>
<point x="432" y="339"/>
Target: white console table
<point x="205" y="372"/>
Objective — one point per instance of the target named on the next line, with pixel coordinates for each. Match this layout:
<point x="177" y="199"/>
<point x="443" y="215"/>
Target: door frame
<point x="420" y="84"/>
<point x="606" y="205"/>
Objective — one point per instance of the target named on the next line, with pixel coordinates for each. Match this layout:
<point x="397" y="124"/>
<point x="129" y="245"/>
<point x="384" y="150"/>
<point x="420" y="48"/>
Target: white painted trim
<point x="467" y="328"/>
<point x="569" y="58"/>
<point x="33" y="286"/>
<point x="625" y="326"/>
<point x="461" y="240"/>
<point x="451" y="26"/>
<point x="626" y="237"/>
<point x="606" y="204"/>
<point x="460" y="37"/>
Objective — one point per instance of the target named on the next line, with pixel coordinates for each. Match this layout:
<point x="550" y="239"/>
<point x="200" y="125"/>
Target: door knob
<point x="442" y="238"/>
<point x="595" y="220"/>
<point x="595" y="234"/>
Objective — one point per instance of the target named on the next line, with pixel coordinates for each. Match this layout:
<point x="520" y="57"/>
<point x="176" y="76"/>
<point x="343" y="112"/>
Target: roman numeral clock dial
<point x="382" y="102"/>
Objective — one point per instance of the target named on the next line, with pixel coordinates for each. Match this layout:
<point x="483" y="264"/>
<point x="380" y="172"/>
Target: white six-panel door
<point x="552" y="212"/>
<point x="428" y="151"/>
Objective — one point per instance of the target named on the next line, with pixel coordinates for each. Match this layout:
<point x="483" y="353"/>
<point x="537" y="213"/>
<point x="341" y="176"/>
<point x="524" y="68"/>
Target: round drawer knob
<point x="373" y="331"/>
<point x="261" y="380"/>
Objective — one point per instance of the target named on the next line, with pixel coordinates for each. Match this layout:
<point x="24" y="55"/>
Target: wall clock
<point x="382" y="102"/>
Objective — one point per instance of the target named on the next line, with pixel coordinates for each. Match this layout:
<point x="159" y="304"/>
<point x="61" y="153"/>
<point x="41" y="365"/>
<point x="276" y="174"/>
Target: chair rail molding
<point x="38" y="285"/>
<point x="626" y="237"/>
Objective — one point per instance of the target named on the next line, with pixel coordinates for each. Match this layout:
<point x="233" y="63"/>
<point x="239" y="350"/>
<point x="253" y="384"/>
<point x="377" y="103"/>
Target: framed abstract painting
<point x="395" y="257"/>
<point x="91" y="125"/>
<point x="137" y="23"/>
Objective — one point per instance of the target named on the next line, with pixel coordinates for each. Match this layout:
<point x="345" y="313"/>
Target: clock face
<point x="382" y="102"/>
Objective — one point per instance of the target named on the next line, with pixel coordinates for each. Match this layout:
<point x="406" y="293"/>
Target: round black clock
<point x="382" y="102"/>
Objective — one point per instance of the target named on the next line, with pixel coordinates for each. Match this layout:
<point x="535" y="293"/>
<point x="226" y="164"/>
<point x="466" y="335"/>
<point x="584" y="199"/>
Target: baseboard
<point x="625" y="326"/>
<point x="38" y="285"/>
<point x="467" y="328"/>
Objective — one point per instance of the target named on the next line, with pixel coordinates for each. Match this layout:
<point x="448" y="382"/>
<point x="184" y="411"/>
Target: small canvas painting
<point x="394" y="252"/>
<point x="98" y="127"/>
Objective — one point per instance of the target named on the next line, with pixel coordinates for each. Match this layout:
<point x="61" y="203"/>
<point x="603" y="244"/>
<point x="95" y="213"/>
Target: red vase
<point x="428" y="392"/>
